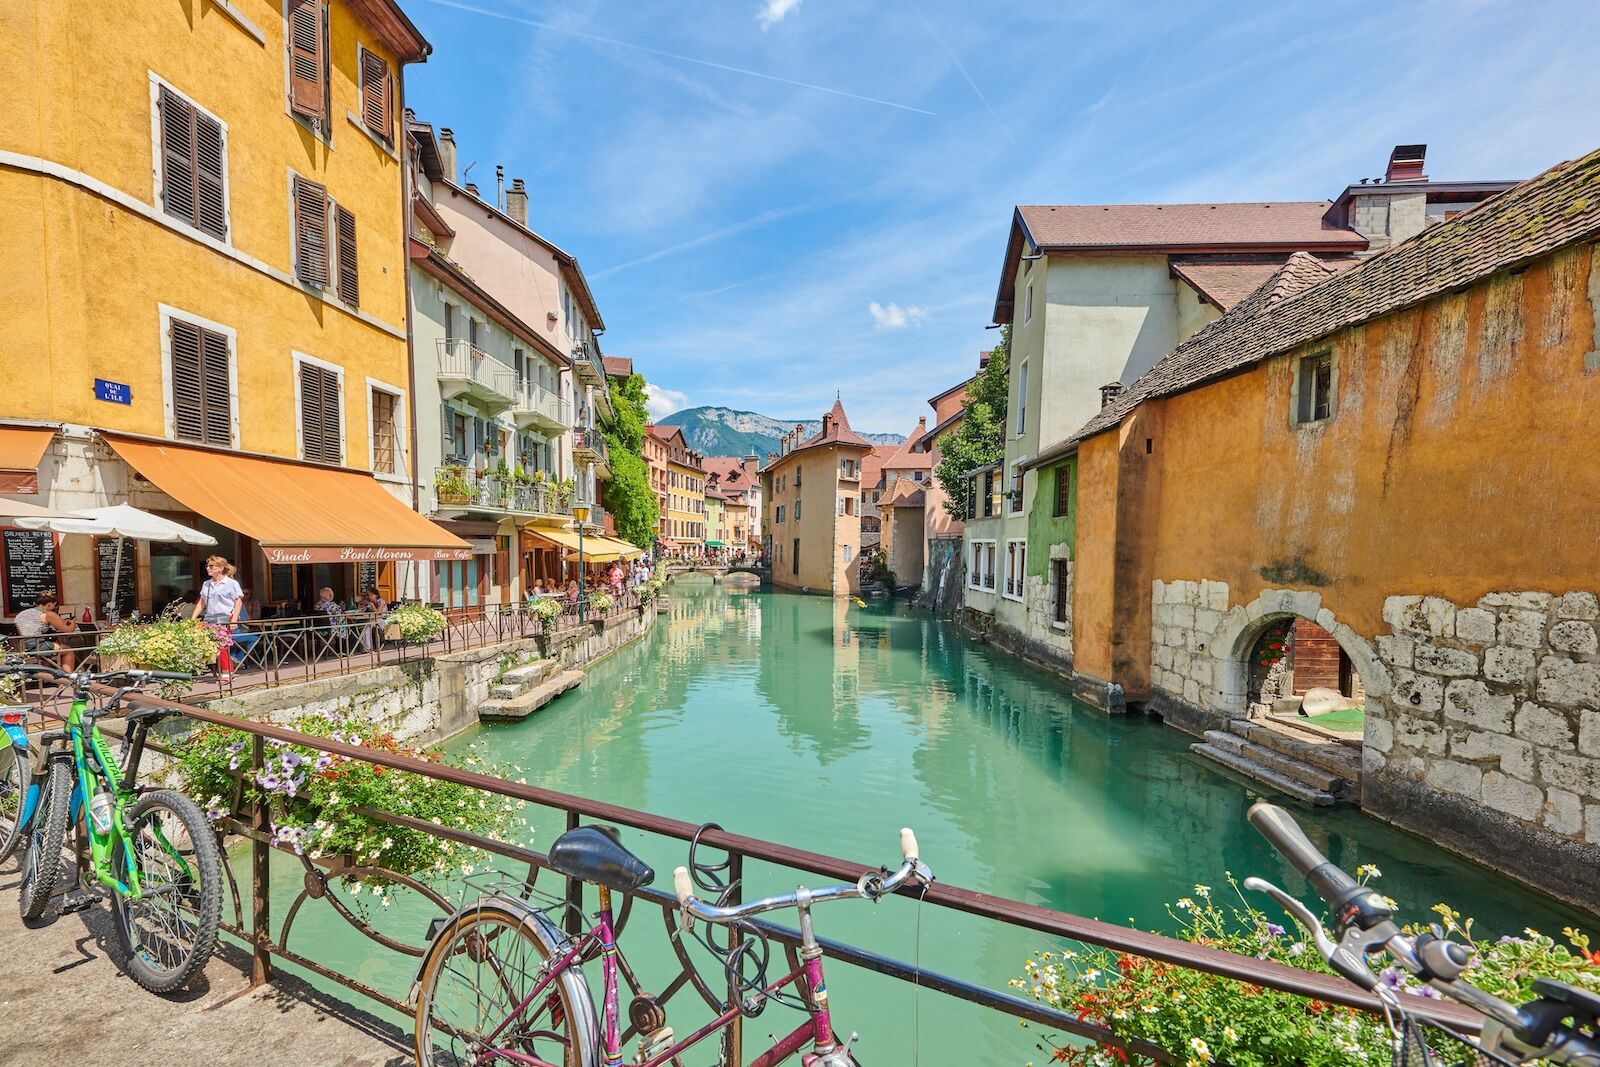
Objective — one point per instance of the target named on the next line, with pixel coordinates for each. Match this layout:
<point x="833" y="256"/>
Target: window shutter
<point x="216" y="390"/>
<point x="349" y="278"/>
<point x="210" y="214"/>
<point x="311" y="232"/>
<point x="305" y="58"/>
<point x="375" y="92"/>
<point x="319" y="413"/>
<point x="177" y="155"/>
<point x="450" y="448"/>
<point x="188" y="403"/>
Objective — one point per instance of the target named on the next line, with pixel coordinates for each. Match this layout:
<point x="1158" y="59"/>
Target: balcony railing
<point x="465" y="370"/>
<point x="586" y="363"/>
<point x="461" y="487"/>
<point x="538" y="406"/>
<point x="589" y="441"/>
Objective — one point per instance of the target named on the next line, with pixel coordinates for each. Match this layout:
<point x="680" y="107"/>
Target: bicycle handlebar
<point x="872" y="886"/>
<point x="138" y="674"/>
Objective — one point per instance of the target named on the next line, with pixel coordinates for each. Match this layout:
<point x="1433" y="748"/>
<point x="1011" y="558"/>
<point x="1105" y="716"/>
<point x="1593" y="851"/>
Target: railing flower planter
<point x="416" y="624"/>
<point x="451" y="486"/>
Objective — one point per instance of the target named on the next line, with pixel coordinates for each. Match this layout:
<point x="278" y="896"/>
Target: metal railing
<point x="254" y="822"/>
<point x="457" y="486"/>
<point x="589" y="439"/>
<point x="484" y="375"/>
<point x="532" y="399"/>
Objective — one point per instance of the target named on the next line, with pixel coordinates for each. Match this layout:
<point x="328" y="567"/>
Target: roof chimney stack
<point x="1109" y="392"/>
<point x="447" y="154"/>
<point x="517" y="202"/>
<point x="1405" y="163"/>
<point x="499" y="187"/>
<point x="472" y="187"/>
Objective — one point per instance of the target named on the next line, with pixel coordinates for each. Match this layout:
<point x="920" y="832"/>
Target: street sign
<point x="113" y="392"/>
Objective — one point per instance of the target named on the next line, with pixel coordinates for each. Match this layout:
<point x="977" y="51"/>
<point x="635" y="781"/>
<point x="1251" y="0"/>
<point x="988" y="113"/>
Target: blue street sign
<point x="112" y="392"/>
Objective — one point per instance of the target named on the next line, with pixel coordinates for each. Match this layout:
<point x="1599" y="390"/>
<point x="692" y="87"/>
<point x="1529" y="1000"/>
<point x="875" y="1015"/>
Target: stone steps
<point x="1247" y="767"/>
<point x="519" y="707"/>
<point x="1334" y="758"/>
<point x="519" y="680"/>
<point x="1312" y="777"/>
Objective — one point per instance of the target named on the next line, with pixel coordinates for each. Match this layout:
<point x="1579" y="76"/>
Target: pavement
<point x="64" y="1000"/>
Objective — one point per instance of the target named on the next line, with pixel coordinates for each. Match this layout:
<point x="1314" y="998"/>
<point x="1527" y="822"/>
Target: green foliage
<point x="599" y="602"/>
<point x="652" y="588"/>
<point x="418" y="623"/>
<point x="980" y="439"/>
<point x="450" y="483"/>
<point x="628" y="496"/>
<point x="188" y="646"/>
<point x="547" y="609"/>
<point x="10" y="688"/>
<point x="313" y="796"/>
<point x="1203" y="1018"/>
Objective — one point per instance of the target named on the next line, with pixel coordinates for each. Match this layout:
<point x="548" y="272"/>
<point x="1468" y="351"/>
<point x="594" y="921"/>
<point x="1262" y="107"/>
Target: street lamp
<point x="580" y="515"/>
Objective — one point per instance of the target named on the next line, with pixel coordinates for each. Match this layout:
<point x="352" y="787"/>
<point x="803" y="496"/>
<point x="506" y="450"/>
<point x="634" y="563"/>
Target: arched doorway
<point x="1295" y="667"/>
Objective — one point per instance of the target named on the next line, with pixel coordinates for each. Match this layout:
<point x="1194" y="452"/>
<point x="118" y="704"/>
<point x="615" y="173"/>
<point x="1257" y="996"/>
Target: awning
<point x="556" y="536"/>
<point x="625" y="549"/>
<point x="298" y="512"/>
<point x="713" y="544"/>
<point x="21" y="449"/>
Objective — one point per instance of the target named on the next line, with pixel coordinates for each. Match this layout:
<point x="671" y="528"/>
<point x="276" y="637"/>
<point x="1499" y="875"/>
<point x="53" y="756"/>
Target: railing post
<point x="260" y="879"/>
<point x="733" y="1036"/>
<point x="574" y="891"/>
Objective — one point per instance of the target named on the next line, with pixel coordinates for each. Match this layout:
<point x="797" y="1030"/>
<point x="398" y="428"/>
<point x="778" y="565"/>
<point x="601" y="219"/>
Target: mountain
<point x="713" y="431"/>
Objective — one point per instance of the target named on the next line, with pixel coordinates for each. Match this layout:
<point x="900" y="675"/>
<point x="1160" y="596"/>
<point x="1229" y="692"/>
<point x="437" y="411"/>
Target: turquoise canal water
<point x="814" y="723"/>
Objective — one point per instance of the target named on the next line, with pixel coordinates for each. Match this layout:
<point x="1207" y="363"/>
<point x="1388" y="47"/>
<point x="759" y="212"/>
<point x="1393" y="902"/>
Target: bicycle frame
<point x="92" y="761"/>
<point x="817" y="1029"/>
<point x="16" y="730"/>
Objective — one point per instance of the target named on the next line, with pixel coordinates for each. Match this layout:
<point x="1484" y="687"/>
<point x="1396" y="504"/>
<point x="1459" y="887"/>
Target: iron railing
<point x="535" y="401"/>
<point x="477" y="371"/>
<point x="459" y="486"/>
<point x="255" y="824"/>
<point x="588" y="438"/>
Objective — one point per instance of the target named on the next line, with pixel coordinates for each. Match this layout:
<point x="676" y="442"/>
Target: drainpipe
<point x="411" y="349"/>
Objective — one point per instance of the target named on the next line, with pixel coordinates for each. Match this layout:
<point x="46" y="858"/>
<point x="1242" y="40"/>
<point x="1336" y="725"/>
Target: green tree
<point x="980" y="439"/>
<point x="628" y="495"/>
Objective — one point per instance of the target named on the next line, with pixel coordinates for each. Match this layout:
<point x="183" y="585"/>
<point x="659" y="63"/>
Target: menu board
<point x="366" y="576"/>
<point x="29" y="567"/>
<point x="105" y="550"/>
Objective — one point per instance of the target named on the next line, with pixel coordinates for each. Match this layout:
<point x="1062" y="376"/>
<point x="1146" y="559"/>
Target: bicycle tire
<point x="15" y="773"/>
<point x="164" y="944"/>
<point x="536" y="939"/>
<point x="41" y="865"/>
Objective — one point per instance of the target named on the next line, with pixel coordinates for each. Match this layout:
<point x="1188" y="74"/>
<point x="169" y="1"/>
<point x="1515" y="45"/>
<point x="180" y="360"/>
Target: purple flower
<point x="1275" y="930"/>
<point x="324" y="761"/>
<point x="268" y="781"/>
<point x="292" y="759"/>
<point x="1392" y="978"/>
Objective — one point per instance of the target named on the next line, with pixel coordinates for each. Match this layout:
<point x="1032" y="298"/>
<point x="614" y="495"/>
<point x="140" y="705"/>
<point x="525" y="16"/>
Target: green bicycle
<point x="152" y="850"/>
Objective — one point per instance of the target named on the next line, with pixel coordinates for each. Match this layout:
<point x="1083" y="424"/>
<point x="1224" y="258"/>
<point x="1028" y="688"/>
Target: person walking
<point x="219" y="604"/>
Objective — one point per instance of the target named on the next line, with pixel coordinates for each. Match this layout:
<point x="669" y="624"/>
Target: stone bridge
<point x="719" y="570"/>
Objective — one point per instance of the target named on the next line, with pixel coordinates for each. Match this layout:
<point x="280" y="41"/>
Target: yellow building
<point x="811" y="489"/>
<point x="686" y="500"/>
<point x="208" y="282"/>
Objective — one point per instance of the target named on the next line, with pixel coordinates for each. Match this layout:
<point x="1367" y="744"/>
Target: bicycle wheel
<point x="476" y="975"/>
<point x="41" y="866"/>
<point x="169" y="932"/>
<point x="14" y="774"/>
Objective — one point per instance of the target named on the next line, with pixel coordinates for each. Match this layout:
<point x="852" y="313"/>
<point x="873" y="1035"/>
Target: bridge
<point x="674" y="568"/>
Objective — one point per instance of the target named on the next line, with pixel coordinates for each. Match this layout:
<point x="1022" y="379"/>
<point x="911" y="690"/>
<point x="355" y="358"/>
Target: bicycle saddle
<point x="590" y="854"/>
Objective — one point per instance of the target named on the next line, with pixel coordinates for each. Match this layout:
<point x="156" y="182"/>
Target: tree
<point x="628" y="495"/>
<point x="981" y="437"/>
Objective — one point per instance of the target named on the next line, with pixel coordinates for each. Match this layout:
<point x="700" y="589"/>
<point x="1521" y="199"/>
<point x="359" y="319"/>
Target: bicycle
<point x="500" y="985"/>
<point x="19" y="793"/>
<point x="1561" y="1026"/>
<point x="152" y="850"/>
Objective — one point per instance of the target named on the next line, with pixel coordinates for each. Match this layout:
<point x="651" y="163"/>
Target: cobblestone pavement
<point x="64" y="1000"/>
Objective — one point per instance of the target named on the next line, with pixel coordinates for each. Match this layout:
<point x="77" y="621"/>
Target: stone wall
<point x="1490" y="735"/>
<point x="1039" y="595"/>
<point x="946" y="575"/>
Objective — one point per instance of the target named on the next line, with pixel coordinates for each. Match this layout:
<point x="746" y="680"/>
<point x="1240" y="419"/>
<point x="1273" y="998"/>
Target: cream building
<point x="811" y="489"/>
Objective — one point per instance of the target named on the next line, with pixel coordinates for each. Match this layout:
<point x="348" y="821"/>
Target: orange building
<point x="812" y="489"/>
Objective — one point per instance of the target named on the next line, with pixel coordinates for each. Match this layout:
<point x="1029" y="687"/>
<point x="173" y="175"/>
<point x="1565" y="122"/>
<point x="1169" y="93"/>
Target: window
<point x="794" y="557"/>
<point x="349" y="278"/>
<point x="919" y="476"/>
<point x="202" y="393"/>
<point x="988" y="493"/>
<point x="797" y="477"/>
<point x="376" y="93"/>
<point x="981" y="574"/>
<point x="1016" y="490"/>
<point x="310" y="232"/>
<point x="846" y="553"/>
<point x="308" y="60"/>
<point x="1061" y="579"/>
<point x="321" y="436"/>
<point x="1027" y="306"/>
<point x="1016" y="567"/>
<point x="193" y="164"/>
<point x="385" y="408"/>
<point x="1314" y="388"/>
<point x="1022" y="398"/>
<point x="1063" y="490"/>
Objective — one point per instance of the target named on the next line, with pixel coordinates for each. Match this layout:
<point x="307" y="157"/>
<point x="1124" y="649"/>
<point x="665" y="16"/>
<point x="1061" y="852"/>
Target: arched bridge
<point x="718" y="570"/>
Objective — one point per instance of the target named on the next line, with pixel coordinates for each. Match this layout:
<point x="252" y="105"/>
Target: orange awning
<point x="21" y="449"/>
<point x="299" y="513"/>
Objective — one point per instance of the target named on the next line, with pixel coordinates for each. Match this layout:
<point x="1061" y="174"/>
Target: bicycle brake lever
<point x="1346" y="957"/>
<point x="1298" y="911"/>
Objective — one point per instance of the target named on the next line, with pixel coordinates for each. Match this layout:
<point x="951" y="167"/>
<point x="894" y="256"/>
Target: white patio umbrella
<point x="21" y="509"/>
<point x="124" y="522"/>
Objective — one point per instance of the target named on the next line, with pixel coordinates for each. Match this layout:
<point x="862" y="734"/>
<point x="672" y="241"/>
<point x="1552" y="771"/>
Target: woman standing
<point x="219" y="604"/>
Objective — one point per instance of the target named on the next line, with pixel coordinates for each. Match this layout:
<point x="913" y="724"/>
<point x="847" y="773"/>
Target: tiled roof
<point x="905" y="494"/>
<point x="1224" y="282"/>
<point x="728" y="469"/>
<point x="618" y="366"/>
<point x="872" y="469"/>
<point x="903" y="458"/>
<point x="835" y="431"/>
<point x="1306" y="301"/>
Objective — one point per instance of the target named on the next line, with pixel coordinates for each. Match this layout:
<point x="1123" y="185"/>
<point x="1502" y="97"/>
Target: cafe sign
<point x="366" y="554"/>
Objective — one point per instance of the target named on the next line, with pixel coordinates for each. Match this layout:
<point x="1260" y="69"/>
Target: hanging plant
<point x="418" y="623"/>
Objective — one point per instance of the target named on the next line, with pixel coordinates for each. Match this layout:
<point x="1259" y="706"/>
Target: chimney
<point x="1109" y="392"/>
<point x="1405" y="163"/>
<point x="500" y="186"/>
<point x="517" y="202"/>
<point x="473" y="189"/>
<point x="447" y="153"/>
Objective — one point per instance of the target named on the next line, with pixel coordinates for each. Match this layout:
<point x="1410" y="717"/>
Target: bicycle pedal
<point x="82" y="901"/>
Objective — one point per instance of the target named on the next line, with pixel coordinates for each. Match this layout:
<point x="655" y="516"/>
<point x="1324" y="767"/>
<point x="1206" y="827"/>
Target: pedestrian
<point x="36" y="624"/>
<point x="374" y="604"/>
<point x="614" y="576"/>
<point x="218" y="603"/>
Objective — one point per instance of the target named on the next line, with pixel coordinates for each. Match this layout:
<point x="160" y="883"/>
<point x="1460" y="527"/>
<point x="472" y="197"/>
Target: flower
<point x="1201" y="1050"/>
<point x="1275" y="930"/>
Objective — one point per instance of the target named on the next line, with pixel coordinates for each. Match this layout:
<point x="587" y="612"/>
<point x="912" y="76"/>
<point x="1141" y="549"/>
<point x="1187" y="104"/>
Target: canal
<point x="815" y="723"/>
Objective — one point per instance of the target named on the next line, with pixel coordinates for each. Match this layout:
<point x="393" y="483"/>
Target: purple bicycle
<point x="501" y="985"/>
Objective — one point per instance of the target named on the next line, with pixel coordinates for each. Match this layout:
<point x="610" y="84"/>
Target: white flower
<point x="1230" y="1033"/>
<point x="1200" y="1049"/>
<point x="1202" y="891"/>
<point x="1185" y="903"/>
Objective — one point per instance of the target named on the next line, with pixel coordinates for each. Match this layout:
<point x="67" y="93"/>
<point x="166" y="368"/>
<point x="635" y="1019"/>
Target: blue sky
<point x="777" y="199"/>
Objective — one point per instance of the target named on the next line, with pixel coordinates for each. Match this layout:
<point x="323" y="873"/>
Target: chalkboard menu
<point x="105" y="551"/>
<point x="29" y="567"/>
<point x="366" y="575"/>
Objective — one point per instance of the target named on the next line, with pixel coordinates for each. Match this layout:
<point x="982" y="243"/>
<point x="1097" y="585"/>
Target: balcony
<point x="589" y="446"/>
<point x="586" y="364"/>
<point x="468" y="372"/>
<point x="539" y="409"/>
<point x="458" y="490"/>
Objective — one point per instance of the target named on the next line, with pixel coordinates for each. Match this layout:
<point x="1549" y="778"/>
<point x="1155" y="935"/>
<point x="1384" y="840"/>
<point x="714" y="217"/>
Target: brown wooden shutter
<point x="210" y="212"/>
<point x="319" y="413"/>
<point x="349" y="278"/>
<point x="375" y="94"/>
<point x="202" y="395"/>
<point x="306" y="94"/>
<point x="216" y="390"/>
<point x="177" y="155"/>
<point x="311" y="232"/>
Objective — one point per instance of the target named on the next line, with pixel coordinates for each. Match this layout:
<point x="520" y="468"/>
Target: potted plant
<point x="547" y="610"/>
<point x="564" y="490"/>
<point x="417" y="624"/>
<point x="187" y="646"/>
<point x="451" y="486"/>
<point x="600" y="602"/>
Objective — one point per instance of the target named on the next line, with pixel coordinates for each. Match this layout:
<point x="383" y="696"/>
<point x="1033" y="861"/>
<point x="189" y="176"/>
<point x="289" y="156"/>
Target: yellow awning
<point x="626" y="549"/>
<point x="298" y="512"/>
<point x="21" y="448"/>
<point x="556" y="536"/>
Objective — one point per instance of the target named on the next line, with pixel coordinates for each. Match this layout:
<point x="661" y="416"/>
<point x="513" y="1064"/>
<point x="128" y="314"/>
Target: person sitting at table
<point x="245" y="640"/>
<point x="572" y="593"/>
<point x="372" y="602"/>
<point x="35" y="624"/>
<point x="538" y="589"/>
<point x="328" y="605"/>
<point x="252" y="605"/>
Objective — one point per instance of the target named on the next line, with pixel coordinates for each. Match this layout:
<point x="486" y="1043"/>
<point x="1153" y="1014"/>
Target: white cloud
<point x="774" y="11"/>
<point x="893" y="316"/>
<point x="661" y="402"/>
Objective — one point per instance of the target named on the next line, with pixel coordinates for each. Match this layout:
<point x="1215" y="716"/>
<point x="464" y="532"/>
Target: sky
<point x="780" y="201"/>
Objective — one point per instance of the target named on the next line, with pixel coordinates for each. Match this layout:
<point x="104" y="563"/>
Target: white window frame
<point x="169" y="420"/>
<point x="1027" y="304"/>
<point x="156" y="82"/>
<point x="299" y="409"/>
<point x="976" y="572"/>
<point x="1022" y="398"/>
<point x="1016" y="567"/>
<point x="846" y="553"/>
<point x="402" y="465"/>
<point x="1299" y="384"/>
<point x="1016" y="489"/>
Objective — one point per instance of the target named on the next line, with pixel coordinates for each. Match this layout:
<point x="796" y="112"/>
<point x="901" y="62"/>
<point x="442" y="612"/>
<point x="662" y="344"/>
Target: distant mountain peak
<point x="721" y="431"/>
